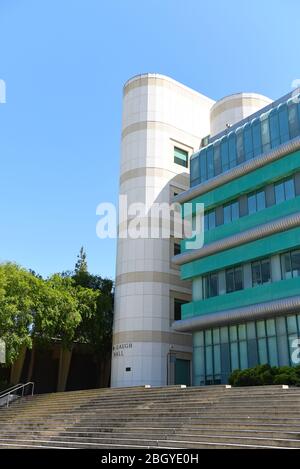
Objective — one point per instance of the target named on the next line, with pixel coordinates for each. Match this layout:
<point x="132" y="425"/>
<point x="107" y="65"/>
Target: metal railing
<point x="12" y="390"/>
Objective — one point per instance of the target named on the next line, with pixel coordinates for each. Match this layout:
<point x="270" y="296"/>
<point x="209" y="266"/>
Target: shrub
<point x="262" y="375"/>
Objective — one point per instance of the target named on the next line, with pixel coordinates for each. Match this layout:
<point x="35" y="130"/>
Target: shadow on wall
<point x="53" y="369"/>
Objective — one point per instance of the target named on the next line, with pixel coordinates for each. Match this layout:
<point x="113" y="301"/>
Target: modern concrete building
<point x="164" y="123"/>
<point x="246" y="278"/>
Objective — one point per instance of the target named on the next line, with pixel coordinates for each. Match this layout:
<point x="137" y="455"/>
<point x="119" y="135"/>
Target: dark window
<point x="211" y="285"/>
<point x="176" y="248"/>
<point x="181" y="157"/>
<point x="290" y="264"/>
<point x="261" y="272"/>
<point x="295" y="258"/>
<point x="234" y="279"/>
<point x="177" y="308"/>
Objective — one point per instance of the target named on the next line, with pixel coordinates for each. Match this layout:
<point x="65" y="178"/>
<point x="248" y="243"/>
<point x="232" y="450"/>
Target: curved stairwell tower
<point x="160" y="117"/>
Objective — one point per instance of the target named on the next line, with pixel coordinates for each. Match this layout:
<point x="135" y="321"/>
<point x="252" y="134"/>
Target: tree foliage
<point x="73" y="306"/>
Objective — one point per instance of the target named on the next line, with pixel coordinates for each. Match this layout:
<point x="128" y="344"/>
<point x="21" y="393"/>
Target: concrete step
<point x="61" y="442"/>
<point x="175" y="417"/>
<point x="157" y="434"/>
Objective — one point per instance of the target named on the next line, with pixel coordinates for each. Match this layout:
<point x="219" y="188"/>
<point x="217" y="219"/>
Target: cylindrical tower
<point x="232" y="109"/>
<point x="163" y="123"/>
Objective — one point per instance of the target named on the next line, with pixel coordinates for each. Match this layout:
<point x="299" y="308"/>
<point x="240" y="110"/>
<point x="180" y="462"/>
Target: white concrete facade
<point x="232" y="109"/>
<point x="158" y="115"/>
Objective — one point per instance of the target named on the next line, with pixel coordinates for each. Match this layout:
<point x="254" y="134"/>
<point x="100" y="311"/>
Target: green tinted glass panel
<point x="181" y="157"/>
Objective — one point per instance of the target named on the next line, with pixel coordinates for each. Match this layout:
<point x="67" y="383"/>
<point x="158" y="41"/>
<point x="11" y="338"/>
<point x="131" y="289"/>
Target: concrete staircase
<point x="167" y="417"/>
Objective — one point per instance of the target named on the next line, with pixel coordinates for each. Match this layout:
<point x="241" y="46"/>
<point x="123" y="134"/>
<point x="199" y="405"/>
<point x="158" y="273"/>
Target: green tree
<point x="96" y="325"/>
<point x="16" y="308"/>
<point x="33" y="309"/>
<point x="72" y="306"/>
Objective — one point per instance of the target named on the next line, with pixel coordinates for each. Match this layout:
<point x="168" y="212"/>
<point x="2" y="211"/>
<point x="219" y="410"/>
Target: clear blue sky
<point x="64" y="63"/>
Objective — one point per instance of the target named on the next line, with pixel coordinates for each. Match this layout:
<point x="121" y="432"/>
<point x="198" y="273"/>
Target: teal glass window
<point x="285" y="190"/>
<point x="208" y="337"/>
<point x="274" y="128"/>
<point x="216" y="336"/>
<point x="260" y="200"/>
<point x="251" y="331"/>
<point x="224" y="335"/>
<point x="265" y="133"/>
<point x="198" y="339"/>
<point x="290" y="264"/>
<point x="271" y="330"/>
<point x="224" y="154"/>
<point x="292" y="324"/>
<point x="231" y="212"/>
<point x="195" y="170"/>
<point x="234" y="279"/>
<point x="283" y="123"/>
<point x="233" y="333"/>
<point x="262" y="351"/>
<point x="243" y="355"/>
<point x="210" y="162"/>
<point x="251" y="204"/>
<point x="217" y="158"/>
<point x="234" y="355"/>
<point x="242" y="331"/>
<point x="209" y="362"/>
<point x="261" y="329"/>
<point x="256" y="137"/>
<point x="217" y="361"/>
<point x="211" y="285"/>
<point x="272" y="351"/>
<point x="232" y="149"/>
<point x="293" y="117"/>
<point x="181" y="157"/>
<point x="256" y="201"/>
<point x="240" y="145"/>
<point x="295" y="261"/>
<point x="203" y="168"/>
<point x="209" y="220"/>
<point x="248" y="143"/>
<point x="261" y="272"/>
<point x="219" y="351"/>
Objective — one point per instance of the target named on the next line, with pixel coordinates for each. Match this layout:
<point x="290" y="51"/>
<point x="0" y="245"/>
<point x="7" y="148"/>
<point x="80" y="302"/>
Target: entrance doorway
<point x="182" y="371"/>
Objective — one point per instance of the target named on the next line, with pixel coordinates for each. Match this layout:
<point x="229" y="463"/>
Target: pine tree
<point x="81" y="264"/>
